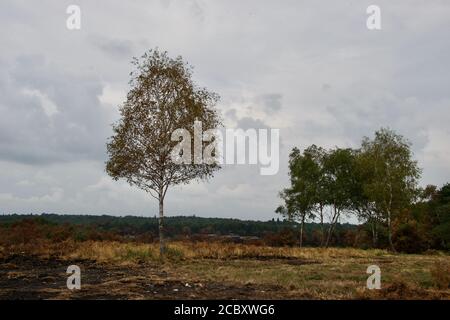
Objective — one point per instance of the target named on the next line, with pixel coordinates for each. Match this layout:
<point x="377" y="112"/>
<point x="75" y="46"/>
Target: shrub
<point x="408" y="239"/>
<point x="285" y="237"/>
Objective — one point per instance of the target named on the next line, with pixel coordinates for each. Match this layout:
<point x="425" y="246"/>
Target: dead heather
<point x="268" y="272"/>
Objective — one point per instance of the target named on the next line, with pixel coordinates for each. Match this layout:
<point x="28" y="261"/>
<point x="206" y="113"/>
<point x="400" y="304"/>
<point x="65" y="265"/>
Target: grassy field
<point x="216" y="270"/>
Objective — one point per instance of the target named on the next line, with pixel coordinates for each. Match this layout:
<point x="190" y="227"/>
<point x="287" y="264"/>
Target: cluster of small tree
<point x="376" y="183"/>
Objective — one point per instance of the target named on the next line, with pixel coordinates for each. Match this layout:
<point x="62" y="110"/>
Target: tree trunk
<point x="389" y="218"/>
<point x="322" y="228"/>
<point x="330" y="232"/>
<point x="332" y="225"/>
<point x="374" y="233"/>
<point x="162" y="247"/>
<point x="390" y="232"/>
<point x="301" y="231"/>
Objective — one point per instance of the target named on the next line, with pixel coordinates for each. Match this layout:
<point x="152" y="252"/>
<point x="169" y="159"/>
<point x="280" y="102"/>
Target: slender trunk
<point x="301" y="231"/>
<point x="330" y="232"/>
<point x="322" y="228"/>
<point x="328" y="236"/>
<point x="162" y="247"/>
<point x="374" y="232"/>
<point x="391" y="244"/>
<point x="332" y="224"/>
<point x="389" y="217"/>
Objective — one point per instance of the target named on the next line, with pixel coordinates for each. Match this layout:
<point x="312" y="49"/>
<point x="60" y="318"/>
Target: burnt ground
<point x="32" y="277"/>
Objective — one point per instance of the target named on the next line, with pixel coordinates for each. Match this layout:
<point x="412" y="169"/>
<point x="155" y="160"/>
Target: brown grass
<point x="315" y="273"/>
<point x="109" y="251"/>
<point x="440" y="273"/>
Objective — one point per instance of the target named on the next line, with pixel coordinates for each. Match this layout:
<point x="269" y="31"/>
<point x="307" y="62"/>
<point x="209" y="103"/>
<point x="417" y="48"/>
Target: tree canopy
<point x="375" y="183"/>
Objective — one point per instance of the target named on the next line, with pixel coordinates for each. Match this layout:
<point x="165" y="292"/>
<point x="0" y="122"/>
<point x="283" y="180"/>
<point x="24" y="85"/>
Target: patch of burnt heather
<point x="26" y="277"/>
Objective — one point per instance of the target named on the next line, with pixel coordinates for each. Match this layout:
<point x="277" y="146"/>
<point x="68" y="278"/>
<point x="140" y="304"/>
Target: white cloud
<point x="47" y="105"/>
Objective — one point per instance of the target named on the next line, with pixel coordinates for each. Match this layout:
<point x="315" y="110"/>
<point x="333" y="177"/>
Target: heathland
<point x="34" y="256"/>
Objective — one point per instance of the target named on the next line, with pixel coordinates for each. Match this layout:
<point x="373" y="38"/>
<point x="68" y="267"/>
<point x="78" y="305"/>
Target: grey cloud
<point x="402" y="115"/>
<point x="246" y="123"/>
<point x="325" y="83"/>
<point x="76" y="131"/>
<point x="326" y="87"/>
<point x="251" y="123"/>
<point x="271" y="102"/>
<point x="116" y="48"/>
<point x="231" y="114"/>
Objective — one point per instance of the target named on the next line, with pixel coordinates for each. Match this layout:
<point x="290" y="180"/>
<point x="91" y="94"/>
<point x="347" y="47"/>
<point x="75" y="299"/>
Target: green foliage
<point x="338" y="175"/>
<point x="305" y="192"/>
<point x="301" y="196"/>
<point x="407" y="238"/>
<point x="391" y="175"/>
<point x="378" y="184"/>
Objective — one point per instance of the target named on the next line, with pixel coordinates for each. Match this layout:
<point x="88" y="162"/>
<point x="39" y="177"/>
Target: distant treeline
<point x="427" y="227"/>
<point x="89" y="227"/>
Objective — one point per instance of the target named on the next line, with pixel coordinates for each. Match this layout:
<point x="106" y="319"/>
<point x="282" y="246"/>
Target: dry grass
<point x="112" y="252"/>
<point x="107" y="251"/>
<point x="316" y="273"/>
<point x="205" y="250"/>
<point x="440" y="273"/>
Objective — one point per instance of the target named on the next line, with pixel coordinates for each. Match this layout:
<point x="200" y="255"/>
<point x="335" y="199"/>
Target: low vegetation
<point x="200" y="266"/>
<point x="269" y="272"/>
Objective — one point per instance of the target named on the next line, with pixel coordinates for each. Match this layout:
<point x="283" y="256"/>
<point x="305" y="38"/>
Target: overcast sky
<point x="310" y="68"/>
